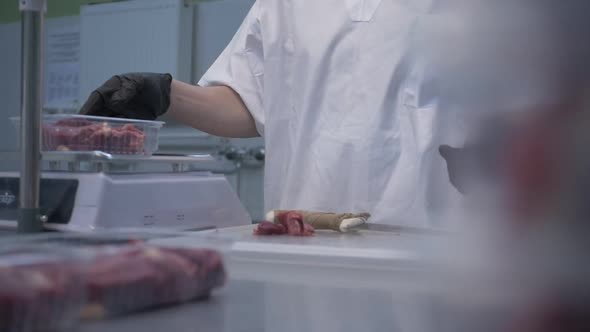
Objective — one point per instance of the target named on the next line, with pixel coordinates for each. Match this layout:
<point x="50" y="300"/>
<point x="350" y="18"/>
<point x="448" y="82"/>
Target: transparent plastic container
<point x="127" y="279"/>
<point x="79" y="240"/>
<point x="39" y="290"/>
<point x="117" y="274"/>
<point x="73" y="132"/>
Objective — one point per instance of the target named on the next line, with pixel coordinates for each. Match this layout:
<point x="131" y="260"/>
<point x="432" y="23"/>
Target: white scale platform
<point x="172" y="192"/>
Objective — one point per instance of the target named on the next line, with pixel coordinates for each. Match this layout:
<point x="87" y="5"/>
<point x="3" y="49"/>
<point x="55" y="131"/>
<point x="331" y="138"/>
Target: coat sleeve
<point x="240" y="66"/>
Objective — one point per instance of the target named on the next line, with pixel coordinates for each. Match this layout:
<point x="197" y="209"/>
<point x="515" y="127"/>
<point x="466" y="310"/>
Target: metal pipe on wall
<point x="30" y="219"/>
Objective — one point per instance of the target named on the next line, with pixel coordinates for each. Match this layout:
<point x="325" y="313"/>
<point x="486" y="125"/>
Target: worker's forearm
<point x="215" y="110"/>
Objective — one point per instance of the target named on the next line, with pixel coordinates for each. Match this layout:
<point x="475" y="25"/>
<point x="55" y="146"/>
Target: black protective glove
<point x="481" y="158"/>
<point x="478" y="160"/>
<point x="143" y="96"/>
<point x="455" y="158"/>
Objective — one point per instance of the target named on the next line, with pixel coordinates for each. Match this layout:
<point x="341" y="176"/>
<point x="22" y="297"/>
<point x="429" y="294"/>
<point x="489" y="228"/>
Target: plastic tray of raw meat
<point x="52" y="285"/>
<point x="126" y="279"/>
<point x="39" y="290"/>
<point x="72" y="132"/>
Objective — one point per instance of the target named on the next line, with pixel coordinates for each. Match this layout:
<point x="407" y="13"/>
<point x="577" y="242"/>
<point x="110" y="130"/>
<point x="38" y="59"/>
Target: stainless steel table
<point x="248" y="306"/>
<point x="332" y="282"/>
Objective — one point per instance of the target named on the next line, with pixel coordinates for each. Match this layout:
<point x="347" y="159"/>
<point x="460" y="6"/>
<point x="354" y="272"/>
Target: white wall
<point x="215" y="24"/>
<point x="10" y="55"/>
<point x="10" y="74"/>
<point x="10" y="80"/>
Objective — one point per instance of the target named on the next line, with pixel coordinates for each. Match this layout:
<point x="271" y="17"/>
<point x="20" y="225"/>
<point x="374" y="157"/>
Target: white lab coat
<point x="350" y="121"/>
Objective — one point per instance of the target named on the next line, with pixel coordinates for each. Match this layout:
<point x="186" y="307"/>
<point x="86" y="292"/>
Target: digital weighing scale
<point x="85" y="191"/>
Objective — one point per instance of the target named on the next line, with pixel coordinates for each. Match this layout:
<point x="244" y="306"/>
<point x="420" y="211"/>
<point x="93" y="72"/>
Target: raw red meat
<point x="39" y="297"/>
<point x="145" y="277"/>
<point x="48" y="296"/>
<point x="132" y="128"/>
<point x="183" y="279"/>
<point x="308" y="230"/>
<point x="116" y="284"/>
<point x="289" y="222"/>
<point x="269" y="228"/>
<point x="294" y="227"/>
<point x="209" y="268"/>
<point x="83" y="135"/>
<point x="293" y="221"/>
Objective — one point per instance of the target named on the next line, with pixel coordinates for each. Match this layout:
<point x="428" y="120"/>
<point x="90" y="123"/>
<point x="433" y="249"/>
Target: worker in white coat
<point x="351" y="121"/>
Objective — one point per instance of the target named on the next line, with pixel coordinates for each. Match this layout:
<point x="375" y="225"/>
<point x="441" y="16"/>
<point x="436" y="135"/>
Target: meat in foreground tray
<point x="72" y="132"/>
<point x="52" y="288"/>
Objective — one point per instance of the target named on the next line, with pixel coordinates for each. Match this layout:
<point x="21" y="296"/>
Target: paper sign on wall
<point x="62" y="67"/>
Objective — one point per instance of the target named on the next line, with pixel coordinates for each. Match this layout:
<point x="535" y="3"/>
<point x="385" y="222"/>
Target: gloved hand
<point x="479" y="160"/>
<point x="143" y="96"/>
<point x="455" y="159"/>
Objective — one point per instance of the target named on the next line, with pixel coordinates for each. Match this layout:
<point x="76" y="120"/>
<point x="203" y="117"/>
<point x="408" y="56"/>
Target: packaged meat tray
<point x="44" y="290"/>
<point x="122" y="280"/>
<point x="72" y="132"/>
<point x="39" y="291"/>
